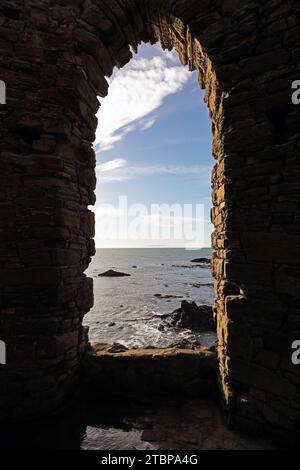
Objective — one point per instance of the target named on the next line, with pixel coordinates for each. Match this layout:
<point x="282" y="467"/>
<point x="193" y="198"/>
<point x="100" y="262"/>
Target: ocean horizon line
<point x="151" y="248"/>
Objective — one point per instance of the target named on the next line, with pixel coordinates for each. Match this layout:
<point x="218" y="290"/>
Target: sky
<point x="154" y="163"/>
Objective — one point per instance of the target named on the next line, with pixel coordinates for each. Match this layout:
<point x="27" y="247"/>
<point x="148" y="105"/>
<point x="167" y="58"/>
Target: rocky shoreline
<point x="157" y="319"/>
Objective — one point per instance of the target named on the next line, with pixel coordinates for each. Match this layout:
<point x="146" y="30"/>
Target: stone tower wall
<point x="55" y="57"/>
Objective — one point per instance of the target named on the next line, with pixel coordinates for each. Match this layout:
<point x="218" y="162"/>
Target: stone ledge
<point x="151" y="372"/>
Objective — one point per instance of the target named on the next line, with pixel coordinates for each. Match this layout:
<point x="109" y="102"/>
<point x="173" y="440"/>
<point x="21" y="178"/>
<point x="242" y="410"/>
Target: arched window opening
<point x="152" y="279"/>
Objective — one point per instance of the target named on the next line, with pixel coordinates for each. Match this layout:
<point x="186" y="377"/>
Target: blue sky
<point x="153" y="144"/>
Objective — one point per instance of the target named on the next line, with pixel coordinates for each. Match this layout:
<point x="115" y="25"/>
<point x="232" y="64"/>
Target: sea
<point x="129" y="310"/>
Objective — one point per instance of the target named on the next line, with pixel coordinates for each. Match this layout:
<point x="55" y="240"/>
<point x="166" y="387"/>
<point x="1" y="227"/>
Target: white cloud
<point x="135" y="92"/>
<point x="119" y="170"/>
<point x="111" y="165"/>
<point x="169" y="169"/>
<point x="148" y="123"/>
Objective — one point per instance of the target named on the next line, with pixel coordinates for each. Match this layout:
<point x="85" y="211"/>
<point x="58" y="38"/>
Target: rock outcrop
<point x="112" y="273"/>
<point x="194" y="317"/>
<point x="201" y="260"/>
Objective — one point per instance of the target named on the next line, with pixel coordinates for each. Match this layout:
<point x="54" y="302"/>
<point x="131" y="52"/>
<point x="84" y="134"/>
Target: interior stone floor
<point x="190" y="425"/>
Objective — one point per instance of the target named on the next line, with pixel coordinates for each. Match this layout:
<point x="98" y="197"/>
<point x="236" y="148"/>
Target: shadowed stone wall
<point x="55" y="56"/>
<point x="184" y="372"/>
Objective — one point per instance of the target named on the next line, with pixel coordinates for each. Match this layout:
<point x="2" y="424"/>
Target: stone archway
<point x="56" y="57"/>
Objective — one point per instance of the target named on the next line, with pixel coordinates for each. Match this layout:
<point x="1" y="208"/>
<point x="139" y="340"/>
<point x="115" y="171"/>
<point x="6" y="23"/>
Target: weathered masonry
<point x="54" y="59"/>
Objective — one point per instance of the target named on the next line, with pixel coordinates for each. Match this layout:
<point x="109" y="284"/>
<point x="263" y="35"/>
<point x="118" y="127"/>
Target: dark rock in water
<point x="201" y="260"/>
<point x="189" y="266"/>
<point x="112" y="324"/>
<point x="189" y="315"/>
<point x="182" y="266"/>
<point x="168" y="296"/>
<point x="112" y="273"/>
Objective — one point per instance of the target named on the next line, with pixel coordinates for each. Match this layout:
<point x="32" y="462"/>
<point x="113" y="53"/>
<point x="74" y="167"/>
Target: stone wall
<point x="180" y="372"/>
<point x="55" y="56"/>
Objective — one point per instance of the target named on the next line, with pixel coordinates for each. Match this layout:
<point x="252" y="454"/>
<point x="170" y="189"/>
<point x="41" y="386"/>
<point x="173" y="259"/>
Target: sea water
<point x="128" y="310"/>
